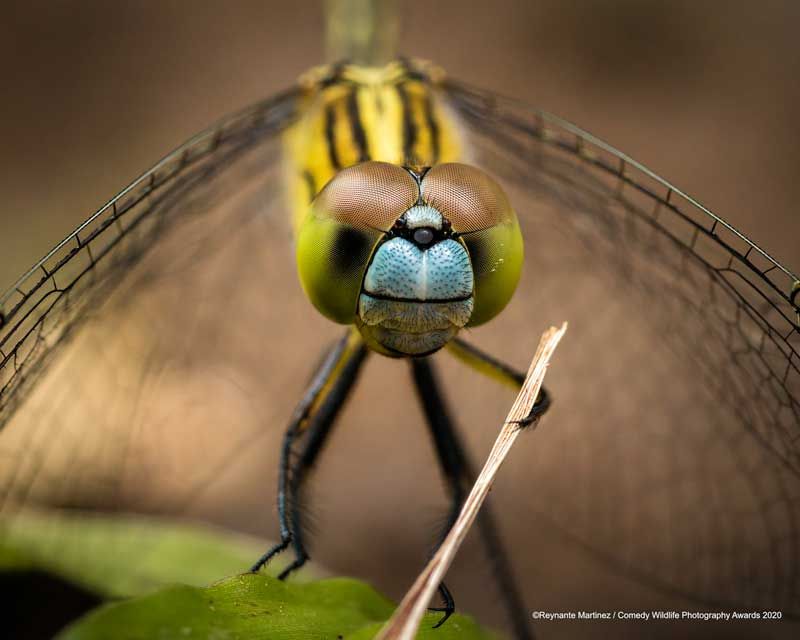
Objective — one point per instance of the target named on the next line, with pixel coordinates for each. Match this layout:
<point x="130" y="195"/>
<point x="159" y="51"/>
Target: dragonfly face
<point x="409" y="255"/>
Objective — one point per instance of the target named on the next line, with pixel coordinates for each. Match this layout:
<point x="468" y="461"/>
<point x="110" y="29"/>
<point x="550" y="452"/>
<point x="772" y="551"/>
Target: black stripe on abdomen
<point x="330" y="136"/>
<point x="409" y="126"/>
<point x="433" y="126"/>
<point x="357" y="127"/>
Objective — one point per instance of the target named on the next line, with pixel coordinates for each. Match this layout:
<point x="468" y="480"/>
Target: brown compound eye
<point x="344" y="224"/>
<point x="469" y="198"/>
<point x="484" y="221"/>
<point x="368" y="195"/>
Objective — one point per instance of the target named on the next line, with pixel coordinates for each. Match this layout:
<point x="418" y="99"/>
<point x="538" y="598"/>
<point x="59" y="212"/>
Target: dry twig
<point x="404" y="622"/>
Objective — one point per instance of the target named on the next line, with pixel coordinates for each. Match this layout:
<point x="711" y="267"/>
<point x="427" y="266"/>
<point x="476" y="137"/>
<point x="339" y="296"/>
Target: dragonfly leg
<point x="499" y="371"/>
<point x="449" y="605"/>
<point x="313" y="418"/>
<point x="459" y="475"/>
<point x="283" y="475"/>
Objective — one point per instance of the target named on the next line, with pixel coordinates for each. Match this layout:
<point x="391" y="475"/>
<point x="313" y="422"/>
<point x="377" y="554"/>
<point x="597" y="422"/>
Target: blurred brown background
<point x="706" y="94"/>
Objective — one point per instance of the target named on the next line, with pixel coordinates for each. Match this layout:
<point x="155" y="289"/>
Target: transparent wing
<point x="130" y="344"/>
<point x="672" y="453"/>
<point x="150" y="364"/>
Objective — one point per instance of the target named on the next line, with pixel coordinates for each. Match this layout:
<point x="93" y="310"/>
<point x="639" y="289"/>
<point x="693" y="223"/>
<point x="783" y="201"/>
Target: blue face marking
<point x="402" y="270"/>
<point x="416" y="298"/>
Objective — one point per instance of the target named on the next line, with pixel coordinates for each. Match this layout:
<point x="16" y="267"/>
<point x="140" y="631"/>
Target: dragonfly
<point x="407" y="246"/>
<point x="146" y="361"/>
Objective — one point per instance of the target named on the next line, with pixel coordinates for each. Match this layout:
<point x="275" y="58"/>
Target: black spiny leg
<point x="313" y="418"/>
<point x="459" y="475"/>
<point x="499" y="371"/>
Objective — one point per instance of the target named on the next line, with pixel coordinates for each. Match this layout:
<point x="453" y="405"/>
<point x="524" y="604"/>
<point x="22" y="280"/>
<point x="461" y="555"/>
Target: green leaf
<point x="117" y="556"/>
<point x="258" y="607"/>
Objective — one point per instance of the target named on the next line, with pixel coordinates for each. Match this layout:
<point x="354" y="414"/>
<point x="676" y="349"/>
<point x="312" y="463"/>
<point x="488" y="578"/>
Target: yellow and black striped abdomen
<point x="352" y="114"/>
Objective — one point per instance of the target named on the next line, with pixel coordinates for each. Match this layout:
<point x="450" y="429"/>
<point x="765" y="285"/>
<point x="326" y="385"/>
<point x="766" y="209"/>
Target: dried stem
<point x="404" y="622"/>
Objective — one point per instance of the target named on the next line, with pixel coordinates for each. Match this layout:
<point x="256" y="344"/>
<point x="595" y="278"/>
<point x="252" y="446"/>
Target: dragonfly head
<point x="410" y="256"/>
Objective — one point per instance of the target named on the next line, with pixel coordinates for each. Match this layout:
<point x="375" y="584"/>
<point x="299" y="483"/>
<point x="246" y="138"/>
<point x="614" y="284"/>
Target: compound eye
<point x="371" y="194"/>
<point x="466" y="196"/>
<point x="345" y="222"/>
<point x="481" y="215"/>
